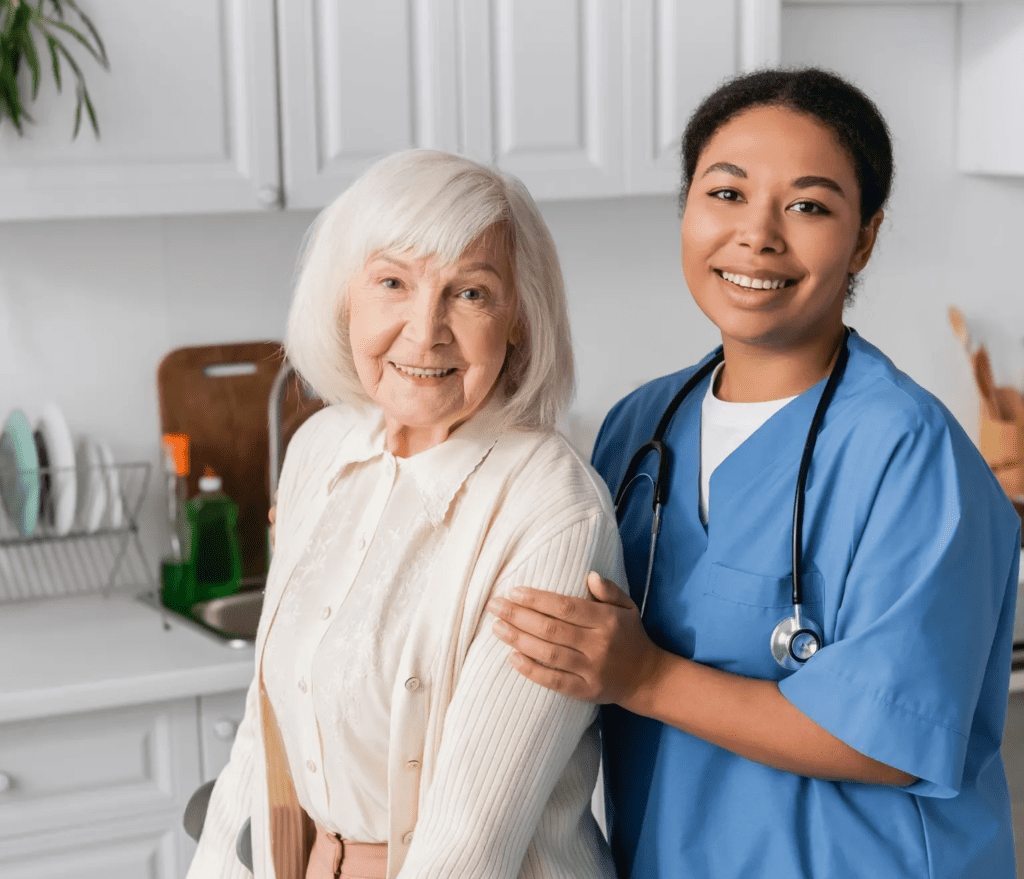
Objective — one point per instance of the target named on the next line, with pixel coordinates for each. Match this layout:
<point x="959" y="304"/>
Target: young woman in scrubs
<point x="878" y="756"/>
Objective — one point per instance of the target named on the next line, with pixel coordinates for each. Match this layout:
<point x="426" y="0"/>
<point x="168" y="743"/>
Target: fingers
<point x="538" y="650"/>
<point x="553" y="679"/>
<point x="578" y="611"/>
<point x="607" y="591"/>
<point x="514" y="618"/>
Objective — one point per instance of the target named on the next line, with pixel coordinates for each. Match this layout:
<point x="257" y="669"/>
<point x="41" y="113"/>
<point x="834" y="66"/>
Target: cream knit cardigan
<point x="532" y="504"/>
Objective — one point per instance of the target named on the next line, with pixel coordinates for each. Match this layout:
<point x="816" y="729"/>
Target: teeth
<point x="752" y="283"/>
<point x="422" y="373"/>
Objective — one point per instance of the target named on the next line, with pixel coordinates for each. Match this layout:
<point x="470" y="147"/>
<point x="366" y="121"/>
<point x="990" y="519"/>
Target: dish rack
<point x="107" y="556"/>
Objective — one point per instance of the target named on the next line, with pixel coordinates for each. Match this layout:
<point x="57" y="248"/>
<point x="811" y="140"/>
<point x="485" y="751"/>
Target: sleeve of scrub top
<point x="507" y="740"/>
<point x="230" y="805"/>
<point x="926" y="592"/>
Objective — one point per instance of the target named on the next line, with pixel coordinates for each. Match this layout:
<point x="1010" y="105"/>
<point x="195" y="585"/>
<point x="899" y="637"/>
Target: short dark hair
<point x="837" y="104"/>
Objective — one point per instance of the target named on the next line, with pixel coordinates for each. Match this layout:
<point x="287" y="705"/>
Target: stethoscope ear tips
<point x="795" y="640"/>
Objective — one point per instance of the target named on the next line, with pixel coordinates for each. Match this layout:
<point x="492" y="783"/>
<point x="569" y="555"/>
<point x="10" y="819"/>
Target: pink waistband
<point x="335" y="858"/>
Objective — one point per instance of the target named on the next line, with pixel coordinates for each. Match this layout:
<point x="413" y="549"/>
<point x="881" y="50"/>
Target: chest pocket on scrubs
<point x="740" y="610"/>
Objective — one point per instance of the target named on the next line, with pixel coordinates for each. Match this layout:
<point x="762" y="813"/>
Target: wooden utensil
<point x="218" y="395"/>
<point x="986" y="384"/>
<point x="961" y="329"/>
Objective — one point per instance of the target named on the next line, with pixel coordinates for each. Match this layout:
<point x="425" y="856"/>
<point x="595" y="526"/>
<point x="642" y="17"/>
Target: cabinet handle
<point x="269" y="197"/>
<point x="225" y="728"/>
<point x="6" y="782"/>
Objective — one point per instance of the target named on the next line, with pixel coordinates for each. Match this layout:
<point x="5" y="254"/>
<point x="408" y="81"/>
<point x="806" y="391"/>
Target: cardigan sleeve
<point x="507" y="741"/>
<point x="230" y="804"/>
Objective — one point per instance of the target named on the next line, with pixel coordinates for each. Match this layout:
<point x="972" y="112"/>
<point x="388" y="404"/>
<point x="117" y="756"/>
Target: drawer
<point x="139" y="848"/>
<point x="61" y="772"/>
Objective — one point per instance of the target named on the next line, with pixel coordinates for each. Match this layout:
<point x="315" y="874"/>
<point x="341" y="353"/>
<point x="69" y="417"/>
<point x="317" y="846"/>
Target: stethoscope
<point x="796" y="638"/>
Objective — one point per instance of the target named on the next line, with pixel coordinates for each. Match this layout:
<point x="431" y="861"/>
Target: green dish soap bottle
<point x="215" y="559"/>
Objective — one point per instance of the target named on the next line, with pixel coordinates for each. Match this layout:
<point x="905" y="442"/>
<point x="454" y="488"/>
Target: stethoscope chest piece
<point x="795" y="640"/>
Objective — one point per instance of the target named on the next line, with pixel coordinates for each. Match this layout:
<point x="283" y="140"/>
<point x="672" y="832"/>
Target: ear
<point x="865" y="243"/>
<point x="515" y="335"/>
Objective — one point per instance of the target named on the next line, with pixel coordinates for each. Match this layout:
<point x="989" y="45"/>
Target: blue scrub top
<point x="911" y="551"/>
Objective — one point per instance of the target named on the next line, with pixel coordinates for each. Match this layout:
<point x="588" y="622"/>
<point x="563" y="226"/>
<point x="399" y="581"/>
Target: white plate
<point x="92" y="484"/>
<point x="115" y="507"/>
<point x="60" y="454"/>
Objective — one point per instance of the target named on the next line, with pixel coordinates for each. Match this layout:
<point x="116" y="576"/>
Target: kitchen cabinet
<point x="102" y="793"/>
<point x="98" y="793"/>
<point x="580" y="98"/>
<point x="990" y="124"/>
<point x="219" y="717"/>
<point x="187" y="114"/>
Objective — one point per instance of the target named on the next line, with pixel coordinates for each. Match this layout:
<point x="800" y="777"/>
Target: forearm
<point x="751" y="718"/>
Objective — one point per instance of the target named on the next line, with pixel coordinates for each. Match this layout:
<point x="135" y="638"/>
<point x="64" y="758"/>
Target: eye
<point x="810" y="207"/>
<point x="390" y="283"/>
<point x="472" y="294"/>
<point x="725" y="194"/>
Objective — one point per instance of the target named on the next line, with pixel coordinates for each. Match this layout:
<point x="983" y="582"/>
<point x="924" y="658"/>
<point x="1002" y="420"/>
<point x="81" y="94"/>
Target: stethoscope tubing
<point x="661" y="481"/>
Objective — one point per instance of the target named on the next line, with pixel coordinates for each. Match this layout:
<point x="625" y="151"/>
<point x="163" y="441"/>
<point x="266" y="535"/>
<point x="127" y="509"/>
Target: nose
<point x="760" y="229"/>
<point x="427" y="322"/>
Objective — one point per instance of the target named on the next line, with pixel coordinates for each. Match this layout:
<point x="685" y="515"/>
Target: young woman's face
<point x="772" y="230"/>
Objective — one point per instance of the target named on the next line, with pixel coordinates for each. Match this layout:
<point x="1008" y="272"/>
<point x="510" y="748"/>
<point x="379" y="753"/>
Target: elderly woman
<point x="386" y="727"/>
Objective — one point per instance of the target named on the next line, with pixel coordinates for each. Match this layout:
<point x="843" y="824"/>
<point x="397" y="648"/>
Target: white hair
<point x="434" y="204"/>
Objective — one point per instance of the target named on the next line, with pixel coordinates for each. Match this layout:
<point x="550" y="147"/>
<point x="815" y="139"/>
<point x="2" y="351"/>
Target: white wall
<point x="88" y="308"/>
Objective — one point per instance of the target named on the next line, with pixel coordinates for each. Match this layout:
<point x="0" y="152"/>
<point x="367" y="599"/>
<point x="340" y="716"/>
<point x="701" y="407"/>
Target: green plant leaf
<point x="92" y="31"/>
<point x="78" y="112"/>
<point x="32" y="59"/>
<point x="89" y="47"/>
<point x="91" y="111"/>
<point x="55" y="58"/>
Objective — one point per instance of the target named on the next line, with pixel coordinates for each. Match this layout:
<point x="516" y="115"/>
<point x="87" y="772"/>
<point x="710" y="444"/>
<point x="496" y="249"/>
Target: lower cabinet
<point x="102" y="793"/>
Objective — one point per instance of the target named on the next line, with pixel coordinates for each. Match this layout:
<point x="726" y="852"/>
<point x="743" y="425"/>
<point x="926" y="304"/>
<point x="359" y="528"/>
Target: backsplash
<point x="88" y="308"/>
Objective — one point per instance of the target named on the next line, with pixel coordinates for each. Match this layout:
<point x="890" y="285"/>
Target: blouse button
<point x="412" y="684"/>
<point x="412" y="764"/>
<point x="302" y="685"/>
<point x="407" y="838"/>
<point x="326" y="612"/>
<point x="362" y="544"/>
<point x="311" y="766"/>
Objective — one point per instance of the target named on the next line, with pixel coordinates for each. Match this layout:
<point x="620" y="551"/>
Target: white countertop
<point x="88" y="652"/>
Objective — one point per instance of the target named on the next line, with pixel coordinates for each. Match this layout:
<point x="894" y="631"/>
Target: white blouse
<point x="329" y="668"/>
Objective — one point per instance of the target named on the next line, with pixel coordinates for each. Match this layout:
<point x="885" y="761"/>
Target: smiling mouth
<point x="419" y="372"/>
<point x="748" y="283"/>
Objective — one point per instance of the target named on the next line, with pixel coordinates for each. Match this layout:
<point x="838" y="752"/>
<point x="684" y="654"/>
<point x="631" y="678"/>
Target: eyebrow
<point x="806" y="182"/>
<point x="472" y="267"/>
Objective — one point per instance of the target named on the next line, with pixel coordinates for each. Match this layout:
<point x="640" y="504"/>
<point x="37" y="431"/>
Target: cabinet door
<point x="133" y="848"/>
<point x="991" y="107"/>
<point x="219" y="717"/>
<point x="187" y="114"/>
<point x="677" y="51"/>
<point x="62" y="772"/>
<point x="541" y="92"/>
<point x="358" y="81"/>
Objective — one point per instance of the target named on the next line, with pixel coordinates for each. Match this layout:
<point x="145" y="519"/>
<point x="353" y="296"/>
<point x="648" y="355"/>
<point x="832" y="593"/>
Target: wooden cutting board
<point x="218" y="395"/>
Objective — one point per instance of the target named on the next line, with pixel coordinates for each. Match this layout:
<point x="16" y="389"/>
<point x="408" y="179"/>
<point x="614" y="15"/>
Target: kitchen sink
<point x="236" y="616"/>
<point x="232" y="619"/>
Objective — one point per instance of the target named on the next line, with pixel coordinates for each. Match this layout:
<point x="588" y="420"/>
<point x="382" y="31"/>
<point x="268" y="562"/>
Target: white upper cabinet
<point x="359" y="80"/>
<point x="187" y="116"/>
<point x="990" y="126"/>
<point x="541" y="92"/>
<point x="579" y="98"/>
<point x="676" y="52"/>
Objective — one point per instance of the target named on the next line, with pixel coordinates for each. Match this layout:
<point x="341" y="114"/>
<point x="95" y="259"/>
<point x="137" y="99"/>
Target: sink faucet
<point x="277" y="389"/>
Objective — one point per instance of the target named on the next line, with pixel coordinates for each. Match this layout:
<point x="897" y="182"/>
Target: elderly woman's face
<point x="430" y="339"/>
